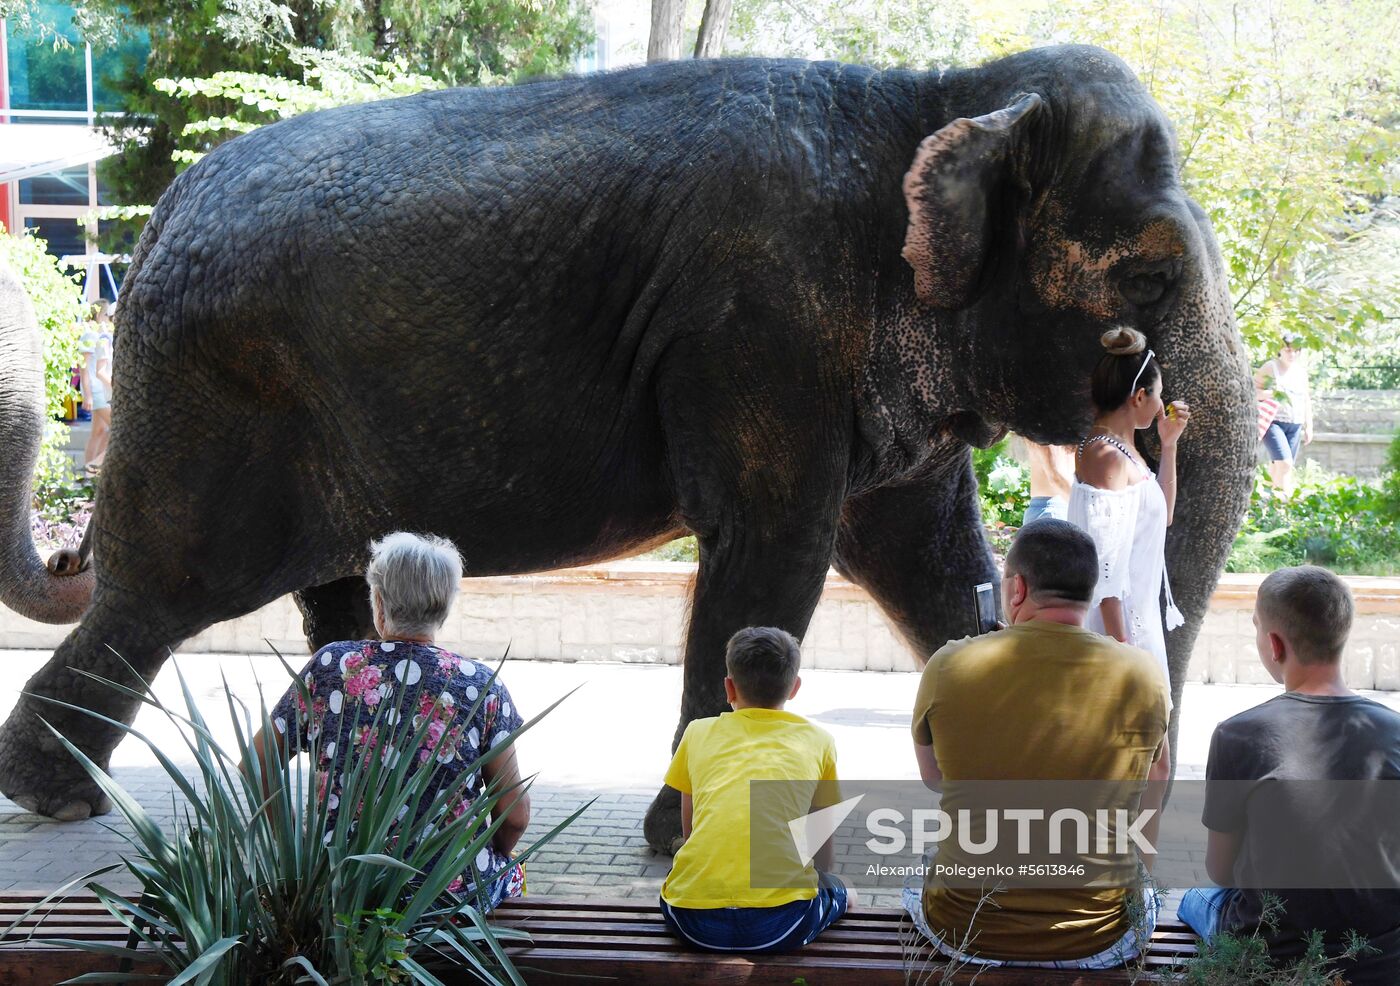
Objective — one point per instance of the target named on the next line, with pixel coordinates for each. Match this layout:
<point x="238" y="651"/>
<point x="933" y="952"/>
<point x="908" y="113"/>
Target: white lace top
<point x="1129" y="528"/>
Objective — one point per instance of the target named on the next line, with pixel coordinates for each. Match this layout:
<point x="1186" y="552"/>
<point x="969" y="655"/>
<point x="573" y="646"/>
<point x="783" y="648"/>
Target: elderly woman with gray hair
<point x="412" y="580"/>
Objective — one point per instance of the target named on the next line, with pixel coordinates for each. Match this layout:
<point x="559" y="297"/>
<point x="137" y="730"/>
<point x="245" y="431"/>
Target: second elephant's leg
<point x="918" y="548"/>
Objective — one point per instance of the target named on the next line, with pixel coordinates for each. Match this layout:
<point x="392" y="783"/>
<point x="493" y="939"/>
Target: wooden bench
<point x="622" y="940"/>
<point x="626" y="940"/>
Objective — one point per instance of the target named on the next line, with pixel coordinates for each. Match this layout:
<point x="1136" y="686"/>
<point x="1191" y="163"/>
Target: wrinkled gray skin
<point x="767" y="302"/>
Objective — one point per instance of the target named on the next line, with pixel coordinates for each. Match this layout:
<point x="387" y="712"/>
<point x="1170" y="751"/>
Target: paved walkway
<point x="607" y="740"/>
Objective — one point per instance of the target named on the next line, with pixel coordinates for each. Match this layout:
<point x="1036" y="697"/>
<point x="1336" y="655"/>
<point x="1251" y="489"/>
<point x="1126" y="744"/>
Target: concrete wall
<point x="635" y="612"/>
<point x="1352" y="430"/>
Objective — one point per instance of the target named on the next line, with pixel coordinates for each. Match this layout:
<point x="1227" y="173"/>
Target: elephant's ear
<point x="957" y="174"/>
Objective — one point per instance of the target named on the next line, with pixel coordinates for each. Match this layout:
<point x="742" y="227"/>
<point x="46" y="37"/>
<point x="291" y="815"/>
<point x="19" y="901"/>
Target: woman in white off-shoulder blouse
<point x="1127" y="509"/>
<point x="1120" y="503"/>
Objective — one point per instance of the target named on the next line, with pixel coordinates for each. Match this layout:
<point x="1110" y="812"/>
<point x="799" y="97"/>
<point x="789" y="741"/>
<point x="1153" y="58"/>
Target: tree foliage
<point x="252" y="98"/>
<point x="1287" y="114"/>
<point x="309" y="43"/>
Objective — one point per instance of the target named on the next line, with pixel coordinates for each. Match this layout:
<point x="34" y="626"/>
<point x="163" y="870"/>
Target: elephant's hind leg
<point x="334" y="611"/>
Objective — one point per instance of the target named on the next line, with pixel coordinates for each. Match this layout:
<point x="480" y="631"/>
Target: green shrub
<point x="365" y="903"/>
<point x="681" y="549"/>
<point x="1003" y="484"/>
<point x="58" y="307"/>
<point x="1390" y="483"/>
<point x="1343" y="522"/>
<point x="1243" y="959"/>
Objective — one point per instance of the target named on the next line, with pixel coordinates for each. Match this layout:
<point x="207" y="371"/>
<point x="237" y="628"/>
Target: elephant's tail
<point x="26" y="585"/>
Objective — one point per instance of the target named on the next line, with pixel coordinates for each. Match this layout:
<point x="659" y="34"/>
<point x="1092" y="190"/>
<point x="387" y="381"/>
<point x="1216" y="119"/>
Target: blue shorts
<point x="759" y="929"/>
<point x="1283" y="439"/>
<point x="1202" y="910"/>
<point x="1050" y="507"/>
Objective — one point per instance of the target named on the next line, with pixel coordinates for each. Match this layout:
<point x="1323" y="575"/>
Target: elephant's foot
<point x="46" y="780"/>
<point x="662" y="825"/>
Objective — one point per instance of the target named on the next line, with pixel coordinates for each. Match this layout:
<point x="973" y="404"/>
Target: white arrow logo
<point x="811" y="831"/>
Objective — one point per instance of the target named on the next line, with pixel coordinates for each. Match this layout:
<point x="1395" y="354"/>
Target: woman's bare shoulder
<point x="1102" y="465"/>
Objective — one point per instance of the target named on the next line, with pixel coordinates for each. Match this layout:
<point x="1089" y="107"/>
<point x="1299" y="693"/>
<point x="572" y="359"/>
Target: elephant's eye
<point x="1145" y="289"/>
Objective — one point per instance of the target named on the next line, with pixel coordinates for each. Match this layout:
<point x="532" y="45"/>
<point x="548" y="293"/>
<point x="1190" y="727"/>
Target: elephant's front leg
<point x="918" y="548"/>
<point x="756" y="574"/>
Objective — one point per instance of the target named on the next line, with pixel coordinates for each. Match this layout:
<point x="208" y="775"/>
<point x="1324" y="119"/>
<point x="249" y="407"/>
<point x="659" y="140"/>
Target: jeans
<point x="1283" y="440"/>
<point x="1121" y="952"/>
<point x="1052" y="507"/>
<point x="759" y="929"/>
<point x="1203" y="908"/>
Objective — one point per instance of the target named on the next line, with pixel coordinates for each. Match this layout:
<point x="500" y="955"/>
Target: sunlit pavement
<point x="607" y="740"/>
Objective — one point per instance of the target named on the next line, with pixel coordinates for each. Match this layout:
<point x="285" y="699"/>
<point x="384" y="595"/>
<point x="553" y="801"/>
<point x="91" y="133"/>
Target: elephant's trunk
<point x="1205" y="363"/>
<point x="26" y="585"/>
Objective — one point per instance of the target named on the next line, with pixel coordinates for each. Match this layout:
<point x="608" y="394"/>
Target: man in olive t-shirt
<point x="1043" y="700"/>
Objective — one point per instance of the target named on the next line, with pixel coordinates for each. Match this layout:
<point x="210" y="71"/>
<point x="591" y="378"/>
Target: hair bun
<point x="1123" y="341"/>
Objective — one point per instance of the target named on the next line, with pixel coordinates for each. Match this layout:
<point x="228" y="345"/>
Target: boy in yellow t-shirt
<point x="709" y="898"/>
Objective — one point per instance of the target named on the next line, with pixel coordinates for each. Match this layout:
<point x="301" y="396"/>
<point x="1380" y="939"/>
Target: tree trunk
<point x="713" y="27"/>
<point x="667" y="20"/>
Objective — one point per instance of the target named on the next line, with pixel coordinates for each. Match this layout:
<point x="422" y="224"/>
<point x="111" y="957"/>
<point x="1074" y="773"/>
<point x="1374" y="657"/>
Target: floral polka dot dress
<point x="347" y="683"/>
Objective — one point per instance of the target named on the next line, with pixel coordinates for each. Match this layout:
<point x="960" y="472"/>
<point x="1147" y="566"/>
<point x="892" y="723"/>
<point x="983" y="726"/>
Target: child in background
<point x="709" y="899"/>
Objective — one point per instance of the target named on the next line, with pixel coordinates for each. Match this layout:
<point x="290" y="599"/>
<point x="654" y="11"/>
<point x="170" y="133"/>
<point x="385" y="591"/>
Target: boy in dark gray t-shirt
<point x="1324" y="835"/>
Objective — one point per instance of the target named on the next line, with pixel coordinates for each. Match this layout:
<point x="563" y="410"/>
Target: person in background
<point x="96" y="347"/>
<point x="1052" y="472"/>
<point x="412" y="580"/>
<point x="1317" y="730"/>
<point x="1285" y="379"/>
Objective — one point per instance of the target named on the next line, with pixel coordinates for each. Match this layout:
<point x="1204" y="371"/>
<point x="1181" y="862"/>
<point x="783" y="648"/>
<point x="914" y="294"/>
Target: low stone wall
<point x="1358" y="455"/>
<point x="1375" y="412"/>
<point x="1352" y="430"/>
<point x="635" y="612"/>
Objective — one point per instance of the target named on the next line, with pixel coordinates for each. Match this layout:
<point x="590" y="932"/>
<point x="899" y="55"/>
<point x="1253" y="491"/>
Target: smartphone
<point x="984" y="608"/>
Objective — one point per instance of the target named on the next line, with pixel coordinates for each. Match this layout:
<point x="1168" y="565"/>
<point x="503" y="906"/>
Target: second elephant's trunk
<point x="26" y="585"/>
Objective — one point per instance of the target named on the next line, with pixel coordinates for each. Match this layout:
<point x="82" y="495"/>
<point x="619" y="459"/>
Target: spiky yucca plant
<point x="253" y="888"/>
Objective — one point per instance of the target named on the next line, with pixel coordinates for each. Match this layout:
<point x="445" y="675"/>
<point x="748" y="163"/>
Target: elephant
<point x="769" y="302"/>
